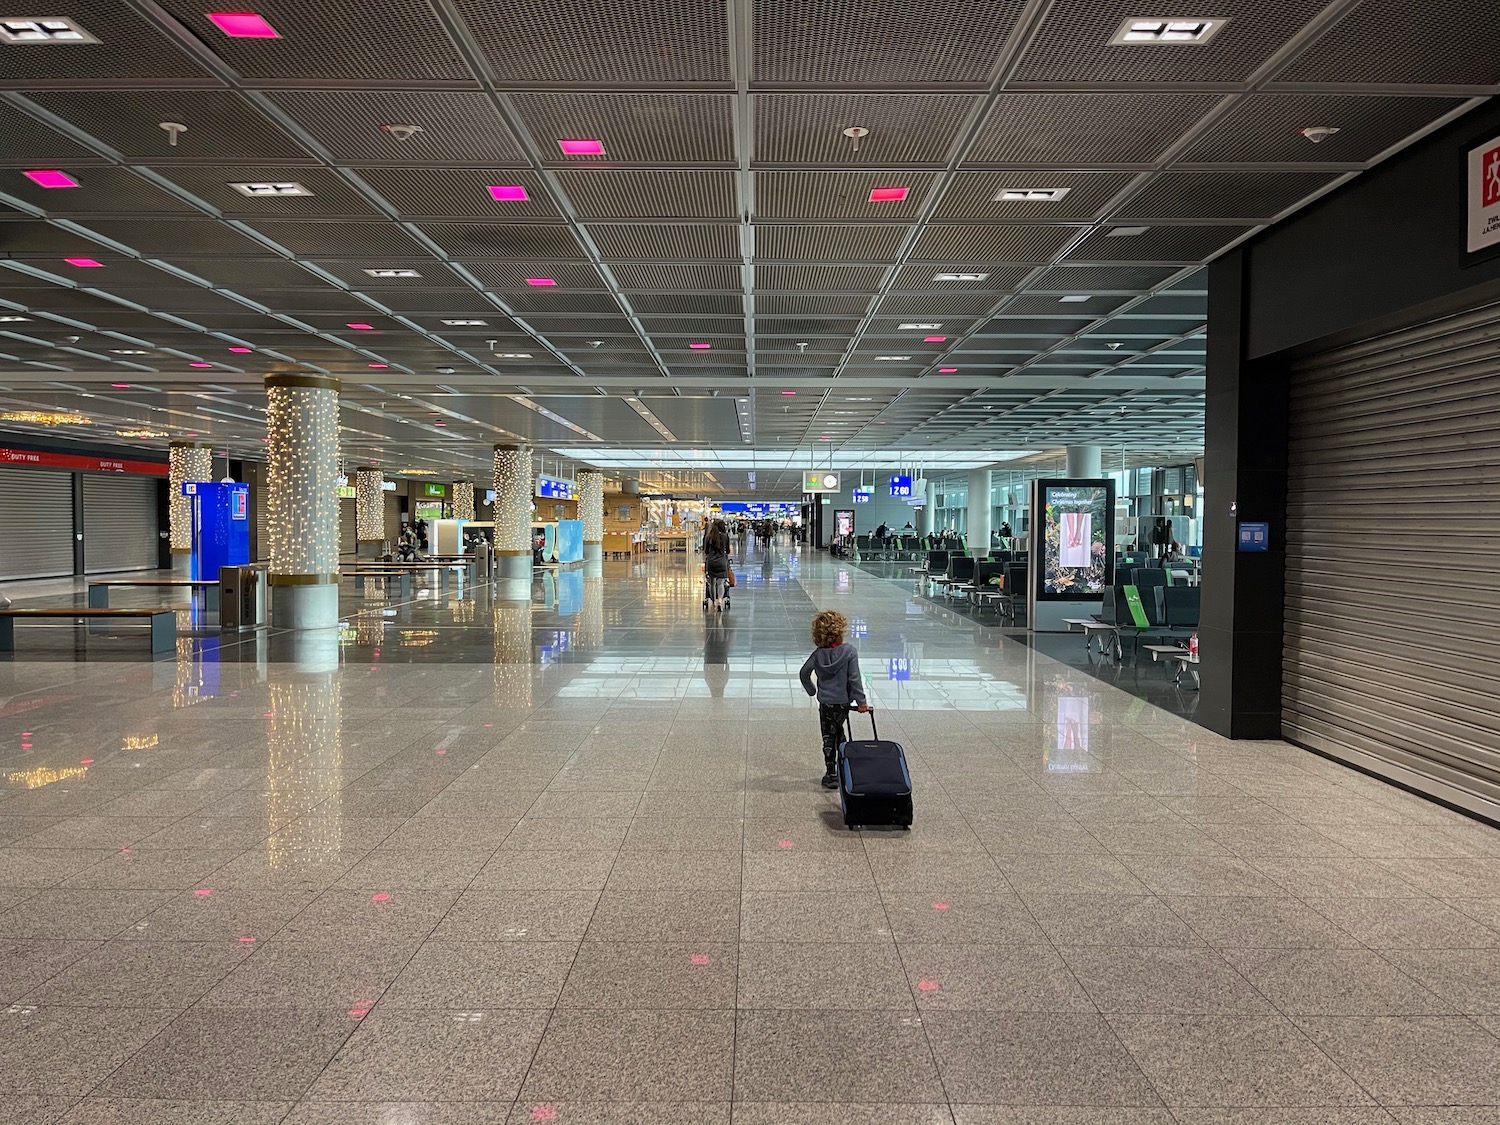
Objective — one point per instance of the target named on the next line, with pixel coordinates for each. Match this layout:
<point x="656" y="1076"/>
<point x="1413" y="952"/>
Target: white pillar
<point x="513" y="487"/>
<point x="186" y="461"/>
<point x="1085" y="462"/>
<point x="302" y="516"/>
<point x="369" y="511"/>
<point x="929" y="509"/>
<point x="979" y="512"/>
<point x="591" y="512"/>
<point x="463" y="500"/>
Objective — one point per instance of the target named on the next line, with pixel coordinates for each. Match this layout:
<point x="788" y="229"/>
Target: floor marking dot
<point x="927" y="985"/>
<point x="381" y="897"/>
<point x="940" y="906"/>
<point x="700" y="958"/>
<point x="203" y="892"/>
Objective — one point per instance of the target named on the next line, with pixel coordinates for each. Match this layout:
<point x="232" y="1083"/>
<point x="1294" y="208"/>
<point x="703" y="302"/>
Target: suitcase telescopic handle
<point x="854" y="710"/>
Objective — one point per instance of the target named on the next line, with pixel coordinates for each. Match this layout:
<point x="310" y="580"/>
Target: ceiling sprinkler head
<point x="402" y="132"/>
<point x="1113" y="347"/>
<point x="854" y="133"/>
<point x="174" y="130"/>
<point x="1318" y="133"/>
<point x="596" y="343"/>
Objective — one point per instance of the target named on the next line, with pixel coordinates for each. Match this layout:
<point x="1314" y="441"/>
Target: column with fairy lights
<point x="463" y="500"/>
<point x="302" y="429"/>
<point x="512" y="511"/>
<point x="186" y="461"/>
<point x="591" y="512"/>
<point x="369" y="512"/>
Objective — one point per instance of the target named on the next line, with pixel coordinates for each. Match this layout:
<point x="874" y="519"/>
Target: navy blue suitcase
<point x="874" y="783"/>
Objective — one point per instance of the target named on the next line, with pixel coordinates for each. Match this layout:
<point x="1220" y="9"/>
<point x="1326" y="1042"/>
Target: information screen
<point x="862" y="495"/>
<point x="901" y="486"/>
<point x="1077" y="529"/>
<point x="550" y="488"/>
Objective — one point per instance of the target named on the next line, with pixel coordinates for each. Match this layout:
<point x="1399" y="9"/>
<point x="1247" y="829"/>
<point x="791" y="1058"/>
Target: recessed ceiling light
<point x="468" y="323"/>
<point x="1167" y="30"/>
<point x="540" y="281"/>
<point x="243" y="25"/>
<point x="1074" y="298"/>
<point x="918" y="327"/>
<point x="960" y="276"/>
<point x="511" y="355"/>
<point x="127" y="351"/>
<point x="393" y="273"/>
<point x="359" y="326"/>
<point x="85" y="263"/>
<point x="242" y="351"/>
<point x="946" y="370"/>
<point x="582" y="148"/>
<point x="200" y="365"/>
<point x="13" y="319"/>
<point x="120" y="386"/>
<point x="933" y="339"/>
<point x="1125" y="232"/>
<point x="788" y="393"/>
<point x="50" y="29"/>
<point x="890" y="358"/>
<point x="379" y="366"/>
<point x="1031" y="195"/>
<point x="266" y="187"/>
<point x="700" y="347"/>
<point x="50" y="178"/>
<point x="508" y="192"/>
<point x="887" y="194"/>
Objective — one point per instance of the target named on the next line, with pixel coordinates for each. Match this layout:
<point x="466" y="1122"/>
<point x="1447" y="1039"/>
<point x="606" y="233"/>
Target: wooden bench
<point x="163" y="623"/>
<point x="99" y="591"/>
<point x="1186" y="661"/>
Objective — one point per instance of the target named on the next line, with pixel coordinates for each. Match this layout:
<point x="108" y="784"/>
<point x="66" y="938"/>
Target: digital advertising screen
<point x="843" y="522"/>
<point x="1077" y="530"/>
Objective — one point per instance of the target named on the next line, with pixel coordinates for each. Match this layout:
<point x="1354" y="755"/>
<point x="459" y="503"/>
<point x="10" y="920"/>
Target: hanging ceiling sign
<point x="551" y="488"/>
<point x="77" y="461"/>
<point x="820" y="480"/>
<point x="1483" y="176"/>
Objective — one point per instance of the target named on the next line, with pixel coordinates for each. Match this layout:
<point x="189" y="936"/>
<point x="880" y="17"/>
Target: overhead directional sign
<point x="901" y="486"/>
<point x="816" y="480"/>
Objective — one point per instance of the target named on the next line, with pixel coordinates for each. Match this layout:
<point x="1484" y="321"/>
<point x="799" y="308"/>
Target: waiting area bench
<point x="1106" y="633"/>
<point x="163" y="622"/>
<point x="99" y="591"/>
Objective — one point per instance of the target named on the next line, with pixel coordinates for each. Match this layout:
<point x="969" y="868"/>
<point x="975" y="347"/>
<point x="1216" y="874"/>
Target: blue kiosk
<point x="221" y="526"/>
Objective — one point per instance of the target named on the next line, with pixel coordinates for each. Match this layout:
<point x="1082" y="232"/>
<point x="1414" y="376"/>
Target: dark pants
<point x="831" y="721"/>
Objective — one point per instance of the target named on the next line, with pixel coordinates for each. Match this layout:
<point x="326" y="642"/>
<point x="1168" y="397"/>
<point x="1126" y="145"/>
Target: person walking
<point x="716" y="564"/>
<point x="831" y="675"/>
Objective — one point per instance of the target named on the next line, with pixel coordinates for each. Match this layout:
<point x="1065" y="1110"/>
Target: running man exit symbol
<point x="1491" y="178"/>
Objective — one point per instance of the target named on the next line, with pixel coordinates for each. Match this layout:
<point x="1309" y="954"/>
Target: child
<point x="836" y="667"/>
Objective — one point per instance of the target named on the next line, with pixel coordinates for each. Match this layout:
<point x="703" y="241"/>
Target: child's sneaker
<point x="830" y="780"/>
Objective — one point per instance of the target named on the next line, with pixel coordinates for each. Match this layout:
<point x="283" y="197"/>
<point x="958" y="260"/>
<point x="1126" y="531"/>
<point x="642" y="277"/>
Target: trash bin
<point x="242" y="597"/>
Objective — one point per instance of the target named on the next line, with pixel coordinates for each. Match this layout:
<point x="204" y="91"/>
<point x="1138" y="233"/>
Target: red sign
<point x="1490" y="164"/>
<point x="80" y="461"/>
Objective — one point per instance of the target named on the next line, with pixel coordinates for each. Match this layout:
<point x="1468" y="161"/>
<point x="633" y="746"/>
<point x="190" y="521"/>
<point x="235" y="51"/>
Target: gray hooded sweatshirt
<point x="837" y="672"/>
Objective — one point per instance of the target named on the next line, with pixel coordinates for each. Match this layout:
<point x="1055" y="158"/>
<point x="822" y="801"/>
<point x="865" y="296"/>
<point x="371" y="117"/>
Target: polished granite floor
<point x="559" y="854"/>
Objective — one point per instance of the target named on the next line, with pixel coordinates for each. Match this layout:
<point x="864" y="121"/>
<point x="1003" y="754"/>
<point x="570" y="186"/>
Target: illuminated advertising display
<point x="815" y="480"/>
<point x="1077" y="529"/>
<point x="843" y="523"/>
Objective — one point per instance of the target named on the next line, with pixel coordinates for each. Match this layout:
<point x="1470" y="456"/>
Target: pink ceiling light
<point x="120" y="386"/>
<point x="51" y="178"/>
<point x="361" y="327"/>
<point x="946" y="370"/>
<point x="378" y="366"/>
<point x="85" y="263"/>
<point x="242" y="351"/>
<point x="200" y="365"/>
<point x="513" y="192"/>
<point x="887" y="194"/>
<point x="700" y="347"/>
<point x="243" y="25"/>
<point x="933" y="339"/>
<point x="582" y="148"/>
<point x="788" y="392"/>
<point x="540" y="281"/>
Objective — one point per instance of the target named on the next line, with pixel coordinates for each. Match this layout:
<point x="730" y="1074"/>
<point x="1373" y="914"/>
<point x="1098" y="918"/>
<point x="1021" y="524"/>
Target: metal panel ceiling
<point x="727" y="208"/>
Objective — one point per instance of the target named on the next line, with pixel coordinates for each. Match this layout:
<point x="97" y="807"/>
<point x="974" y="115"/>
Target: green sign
<point x="347" y="492"/>
<point x="432" y="490"/>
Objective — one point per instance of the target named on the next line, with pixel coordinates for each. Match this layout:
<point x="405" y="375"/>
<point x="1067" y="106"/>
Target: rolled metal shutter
<point x="348" y="526"/>
<point x="120" y="522"/>
<point x="36" y="523"/>
<point x="1392" y="649"/>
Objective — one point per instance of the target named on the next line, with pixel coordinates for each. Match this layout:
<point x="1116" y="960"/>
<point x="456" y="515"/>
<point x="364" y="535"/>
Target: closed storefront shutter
<point x="1392" y="648"/>
<point x="348" y="528"/>
<point x="36" y="523"/>
<point x="119" y="522"/>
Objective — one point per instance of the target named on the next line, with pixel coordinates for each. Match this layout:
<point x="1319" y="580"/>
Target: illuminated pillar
<point x="463" y="500"/>
<point x="978" y="532"/>
<point x="186" y="461"/>
<point x="512" y="512"/>
<point x="369" y="511"/>
<point x="591" y="512"/>
<point x="302" y="517"/>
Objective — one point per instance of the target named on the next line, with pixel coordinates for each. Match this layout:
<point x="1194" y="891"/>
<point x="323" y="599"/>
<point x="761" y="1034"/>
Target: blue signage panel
<point x="862" y="495"/>
<point x="550" y="488"/>
<point x="1255" y="537"/>
<point x="901" y="486"/>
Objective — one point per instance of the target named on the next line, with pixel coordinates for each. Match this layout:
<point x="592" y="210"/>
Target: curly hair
<point x="829" y="627"/>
